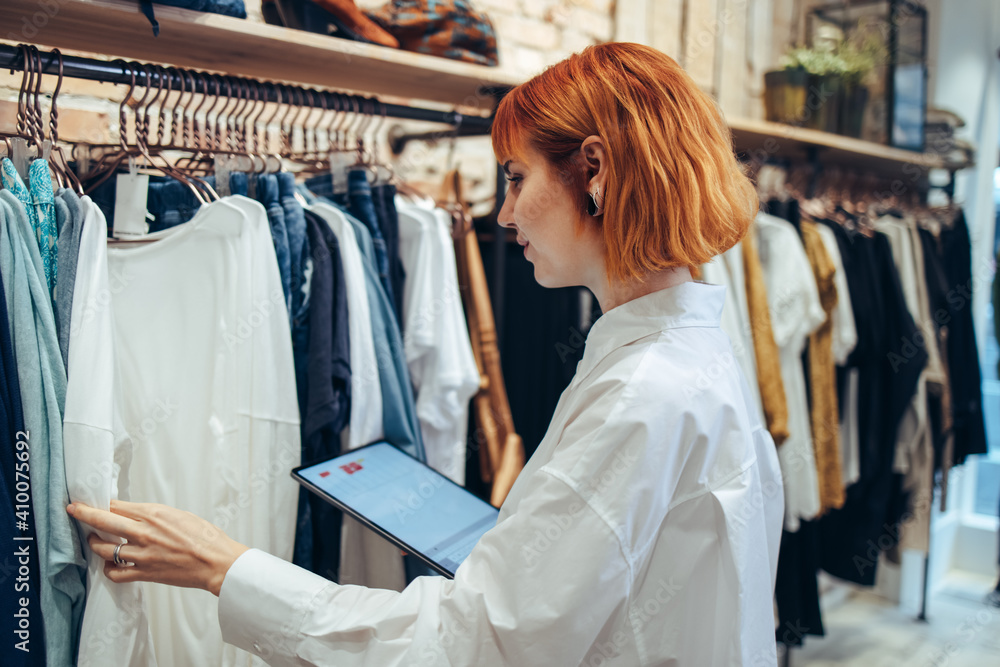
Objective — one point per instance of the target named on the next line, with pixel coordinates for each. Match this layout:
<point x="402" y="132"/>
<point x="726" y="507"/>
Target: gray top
<point x="70" y="229"/>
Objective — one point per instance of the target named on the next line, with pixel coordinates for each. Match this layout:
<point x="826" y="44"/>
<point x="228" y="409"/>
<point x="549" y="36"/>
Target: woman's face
<point x="564" y="245"/>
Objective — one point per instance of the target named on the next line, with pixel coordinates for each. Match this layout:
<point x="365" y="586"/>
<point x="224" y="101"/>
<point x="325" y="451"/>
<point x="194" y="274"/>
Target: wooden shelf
<point x="761" y="139"/>
<point x="117" y="29"/>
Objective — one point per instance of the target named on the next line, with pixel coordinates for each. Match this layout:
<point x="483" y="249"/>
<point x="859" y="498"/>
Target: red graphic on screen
<point x="325" y="473"/>
<point x="351" y="468"/>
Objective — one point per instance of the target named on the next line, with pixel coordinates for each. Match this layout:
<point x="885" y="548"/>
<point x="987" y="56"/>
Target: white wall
<point x="965" y="78"/>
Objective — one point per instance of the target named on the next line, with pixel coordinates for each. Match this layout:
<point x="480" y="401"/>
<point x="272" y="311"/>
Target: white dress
<point x="643" y="531"/>
<point x="205" y="361"/>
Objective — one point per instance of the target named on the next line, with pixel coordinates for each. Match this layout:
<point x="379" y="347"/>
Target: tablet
<point x="406" y="501"/>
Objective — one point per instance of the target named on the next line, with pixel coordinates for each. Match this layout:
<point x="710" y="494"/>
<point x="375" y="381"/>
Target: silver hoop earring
<point x="593" y="207"/>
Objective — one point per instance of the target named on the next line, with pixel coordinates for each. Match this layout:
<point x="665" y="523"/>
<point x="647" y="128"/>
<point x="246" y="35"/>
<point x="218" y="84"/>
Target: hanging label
<point x="339" y="164"/>
<point x="223" y="168"/>
<point x="20" y="156"/>
<point x="130" y="204"/>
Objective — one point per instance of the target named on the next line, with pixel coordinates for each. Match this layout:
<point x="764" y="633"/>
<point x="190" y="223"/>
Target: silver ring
<point x="119" y="561"/>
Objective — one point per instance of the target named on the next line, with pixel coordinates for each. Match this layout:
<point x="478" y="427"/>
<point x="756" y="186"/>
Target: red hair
<point x="675" y="193"/>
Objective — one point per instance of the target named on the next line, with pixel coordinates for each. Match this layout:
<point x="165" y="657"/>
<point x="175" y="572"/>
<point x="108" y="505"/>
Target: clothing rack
<point x="145" y="75"/>
<point x="121" y="72"/>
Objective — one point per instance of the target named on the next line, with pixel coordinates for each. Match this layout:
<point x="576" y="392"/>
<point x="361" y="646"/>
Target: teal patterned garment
<point x="47" y="231"/>
<point x="12" y="181"/>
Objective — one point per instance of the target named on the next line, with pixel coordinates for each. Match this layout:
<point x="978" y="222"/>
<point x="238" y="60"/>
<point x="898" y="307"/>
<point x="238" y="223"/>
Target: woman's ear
<point x="595" y="160"/>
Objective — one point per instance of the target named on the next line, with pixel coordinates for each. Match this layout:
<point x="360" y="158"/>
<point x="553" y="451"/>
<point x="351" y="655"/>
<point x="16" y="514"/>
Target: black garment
<point x="17" y="525"/>
<point x="948" y="267"/>
<point x="388" y="219"/>
<point x="889" y="357"/>
<point x="327" y="405"/>
<point x="796" y="589"/>
<point x="541" y="342"/>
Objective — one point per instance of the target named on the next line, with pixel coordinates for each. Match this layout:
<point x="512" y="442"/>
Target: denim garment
<point x="234" y="8"/>
<point x="267" y="194"/>
<point x="385" y="207"/>
<point x="399" y="410"/>
<point x="301" y="269"/>
<point x="42" y="378"/>
<point x="295" y="226"/>
<point x="359" y="193"/>
<point x="47" y="231"/>
<point x="169" y="201"/>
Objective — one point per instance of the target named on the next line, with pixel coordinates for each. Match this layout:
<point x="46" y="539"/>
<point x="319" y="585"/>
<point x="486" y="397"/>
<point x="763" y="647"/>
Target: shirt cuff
<point x="262" y="604"/>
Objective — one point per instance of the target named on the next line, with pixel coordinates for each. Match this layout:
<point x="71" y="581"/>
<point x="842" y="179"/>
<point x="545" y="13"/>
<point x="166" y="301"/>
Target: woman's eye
<point x="514" y="179"/>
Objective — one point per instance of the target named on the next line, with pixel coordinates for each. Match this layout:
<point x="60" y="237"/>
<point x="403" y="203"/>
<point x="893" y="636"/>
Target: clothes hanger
<point x="60" y="163"/>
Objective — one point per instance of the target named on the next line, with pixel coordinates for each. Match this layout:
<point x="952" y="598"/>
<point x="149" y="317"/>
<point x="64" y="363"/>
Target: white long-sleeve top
<point x="643" y="531"/>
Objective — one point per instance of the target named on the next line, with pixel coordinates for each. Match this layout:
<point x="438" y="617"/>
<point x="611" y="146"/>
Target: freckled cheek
<point x="529" y="209"/>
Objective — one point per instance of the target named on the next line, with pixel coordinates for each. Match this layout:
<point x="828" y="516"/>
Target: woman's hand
<point x="166" y="545"/>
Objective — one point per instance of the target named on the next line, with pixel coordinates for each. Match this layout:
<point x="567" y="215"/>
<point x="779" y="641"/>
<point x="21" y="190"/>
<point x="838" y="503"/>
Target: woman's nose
<point x="505" y="218"/>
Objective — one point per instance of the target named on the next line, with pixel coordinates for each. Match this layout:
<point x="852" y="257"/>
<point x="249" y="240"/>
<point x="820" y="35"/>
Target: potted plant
<point x="822" y="87"/>
<point x="823" y="69"/>
<point x="860" y="56"/>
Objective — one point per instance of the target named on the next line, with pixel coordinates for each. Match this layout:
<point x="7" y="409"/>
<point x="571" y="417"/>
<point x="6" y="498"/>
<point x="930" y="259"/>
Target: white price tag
<point x="339" y="164"/>
<point x="130" y="204"/>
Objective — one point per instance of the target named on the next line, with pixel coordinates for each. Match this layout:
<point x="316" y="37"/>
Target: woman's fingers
<point x="129" y="509"/>
<point x="106" y="521"/>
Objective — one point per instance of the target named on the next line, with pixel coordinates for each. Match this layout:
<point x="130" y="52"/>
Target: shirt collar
<point x="690" y="304"/>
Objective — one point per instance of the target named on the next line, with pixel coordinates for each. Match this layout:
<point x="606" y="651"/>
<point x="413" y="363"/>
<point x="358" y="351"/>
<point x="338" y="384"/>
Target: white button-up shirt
<point x="643" y="531"/>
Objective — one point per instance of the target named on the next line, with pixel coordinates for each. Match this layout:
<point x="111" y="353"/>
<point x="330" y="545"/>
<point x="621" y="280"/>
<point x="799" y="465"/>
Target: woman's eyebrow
<point x="506" y="167"/>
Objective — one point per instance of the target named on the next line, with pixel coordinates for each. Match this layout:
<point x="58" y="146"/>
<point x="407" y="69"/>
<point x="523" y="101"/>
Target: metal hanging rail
<point x="121" y="72"/>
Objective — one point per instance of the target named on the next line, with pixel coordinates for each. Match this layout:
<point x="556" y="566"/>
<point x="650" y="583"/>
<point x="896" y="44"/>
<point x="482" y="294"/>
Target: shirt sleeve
<point x="536" y="590"/>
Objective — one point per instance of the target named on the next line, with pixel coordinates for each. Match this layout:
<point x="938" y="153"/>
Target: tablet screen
<point x="422" y="509"/>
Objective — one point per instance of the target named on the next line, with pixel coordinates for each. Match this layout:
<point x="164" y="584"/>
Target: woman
<point x="644" y="530"/>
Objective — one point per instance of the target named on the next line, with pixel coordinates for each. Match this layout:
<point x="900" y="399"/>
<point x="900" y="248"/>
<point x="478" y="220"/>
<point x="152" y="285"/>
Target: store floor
<point x="867" y="630"/>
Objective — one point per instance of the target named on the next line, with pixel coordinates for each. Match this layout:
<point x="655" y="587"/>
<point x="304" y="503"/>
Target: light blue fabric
<point x="43" y="393"/>
<point x="47" y="229"/>
<point x="399" y="410"/>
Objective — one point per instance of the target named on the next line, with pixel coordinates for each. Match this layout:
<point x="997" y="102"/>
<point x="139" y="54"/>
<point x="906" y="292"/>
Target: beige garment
<point x="772" y="387"/>
<point x="502" y="459"/>
<point x="824" y="418"/>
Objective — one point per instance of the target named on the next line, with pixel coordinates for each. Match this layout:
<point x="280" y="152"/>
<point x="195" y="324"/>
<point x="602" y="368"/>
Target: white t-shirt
<point x="208" y="386"/>
<point x="643" y="531"/>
